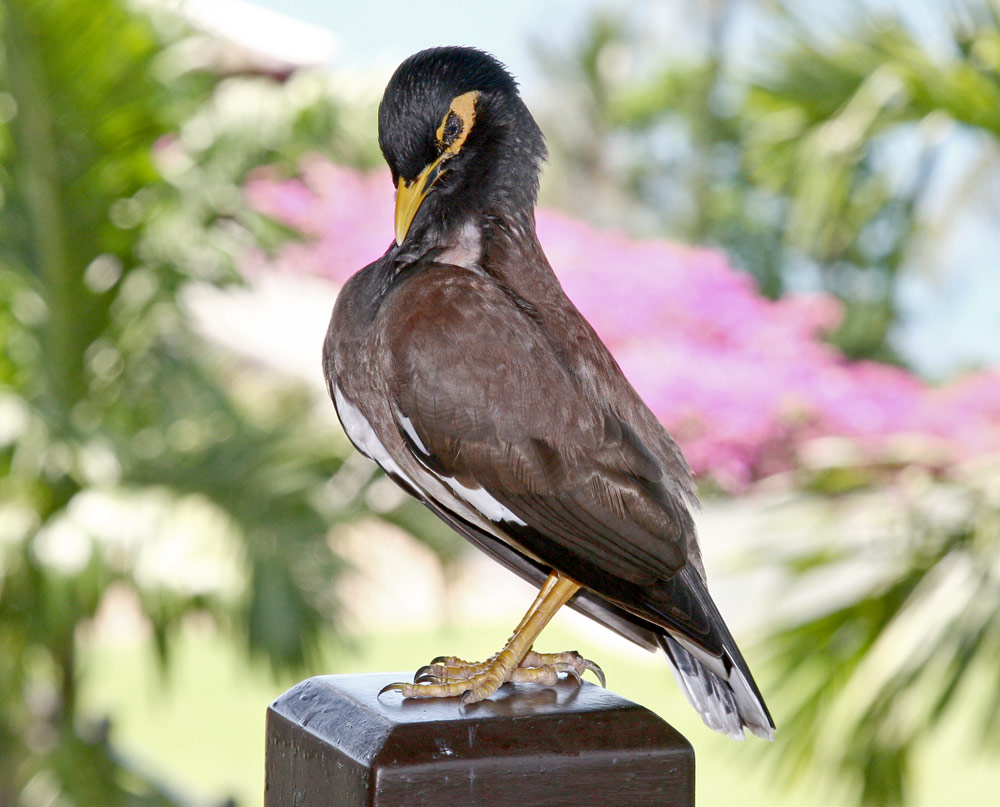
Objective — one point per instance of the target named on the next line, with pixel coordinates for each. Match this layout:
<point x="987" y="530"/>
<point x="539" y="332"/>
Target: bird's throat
<point x="463" y="246"/>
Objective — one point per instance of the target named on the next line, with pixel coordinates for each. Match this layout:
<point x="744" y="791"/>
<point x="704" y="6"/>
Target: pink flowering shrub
<point x="742" y="382"/>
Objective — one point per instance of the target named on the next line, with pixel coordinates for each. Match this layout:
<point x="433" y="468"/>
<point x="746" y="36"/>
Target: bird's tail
<point x="721" y="690"/>
<point x="706" y="661"/>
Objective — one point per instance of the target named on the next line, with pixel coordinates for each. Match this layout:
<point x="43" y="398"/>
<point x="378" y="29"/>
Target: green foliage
<point x="658" y="143"/>
<point x="131" y="454"/>
<point x="887" y="632"/>
<point x="824" y="127"/>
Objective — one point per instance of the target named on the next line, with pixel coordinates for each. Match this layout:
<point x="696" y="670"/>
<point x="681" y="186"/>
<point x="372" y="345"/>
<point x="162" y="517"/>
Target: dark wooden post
<point x="332" y="743"/>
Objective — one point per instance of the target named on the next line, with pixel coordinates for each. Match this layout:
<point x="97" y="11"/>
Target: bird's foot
<point x="534" y="668"/>
<point x="448" y="676"/>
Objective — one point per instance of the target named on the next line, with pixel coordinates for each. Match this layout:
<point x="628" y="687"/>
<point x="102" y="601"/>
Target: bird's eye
<point x="456" y="125"/>
<point x="452" y="129"/>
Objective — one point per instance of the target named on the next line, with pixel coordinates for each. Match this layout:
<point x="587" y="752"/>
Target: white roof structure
<point x="249" y="38"/>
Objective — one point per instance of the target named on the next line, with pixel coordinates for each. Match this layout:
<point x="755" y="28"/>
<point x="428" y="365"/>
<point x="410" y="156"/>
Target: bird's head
<point x="459" y="141"/>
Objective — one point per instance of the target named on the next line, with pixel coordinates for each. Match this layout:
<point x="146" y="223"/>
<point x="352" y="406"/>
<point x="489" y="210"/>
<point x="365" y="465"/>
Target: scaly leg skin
<point x="485" y="679"/>
<point x="541" y="668"/>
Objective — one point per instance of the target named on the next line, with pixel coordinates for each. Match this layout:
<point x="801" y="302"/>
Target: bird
<point x="458" y="364"/>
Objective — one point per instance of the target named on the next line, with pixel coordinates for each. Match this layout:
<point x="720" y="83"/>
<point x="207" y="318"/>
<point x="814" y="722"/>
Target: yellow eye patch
<point x="456" y="125"/>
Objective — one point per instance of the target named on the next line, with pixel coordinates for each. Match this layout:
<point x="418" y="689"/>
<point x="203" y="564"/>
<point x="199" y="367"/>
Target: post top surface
<point x="344" y="711"/>
<point x="512" y="700"/>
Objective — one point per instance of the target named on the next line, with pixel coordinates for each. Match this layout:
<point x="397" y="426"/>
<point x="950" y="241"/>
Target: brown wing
<point x="486" y="401"/>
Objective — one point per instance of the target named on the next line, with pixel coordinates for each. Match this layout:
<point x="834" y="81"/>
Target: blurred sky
<point x="951" y="320"/>
<point x="370" y="34"/>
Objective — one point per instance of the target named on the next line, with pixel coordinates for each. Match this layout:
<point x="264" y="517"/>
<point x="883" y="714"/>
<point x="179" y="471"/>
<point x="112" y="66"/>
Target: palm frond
<point x="907" y="627"/>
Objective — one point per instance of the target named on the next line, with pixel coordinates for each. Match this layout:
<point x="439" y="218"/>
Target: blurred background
<point x="781" y="216"/>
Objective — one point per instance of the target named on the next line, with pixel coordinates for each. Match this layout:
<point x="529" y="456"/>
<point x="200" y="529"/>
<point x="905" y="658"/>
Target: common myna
<point x="457" y="363"/>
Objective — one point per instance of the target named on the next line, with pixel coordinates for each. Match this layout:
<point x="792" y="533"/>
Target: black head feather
<point x="496" y="170"/>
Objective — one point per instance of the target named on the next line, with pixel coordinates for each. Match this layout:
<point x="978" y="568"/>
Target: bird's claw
<point x="596" y="670"/>
<point x="569" y="662"/>
<point x="565" y="668"/>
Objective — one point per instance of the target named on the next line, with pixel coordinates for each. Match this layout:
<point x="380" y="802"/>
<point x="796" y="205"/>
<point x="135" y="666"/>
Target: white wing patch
<point x="363" y="436"/>
<point x="407" y="425"/>
<point x="477" y="498"/>
<point x="482" y="501"/>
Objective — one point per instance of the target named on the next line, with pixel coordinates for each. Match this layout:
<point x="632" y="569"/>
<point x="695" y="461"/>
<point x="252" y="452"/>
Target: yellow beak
<point x="410" y="195"/>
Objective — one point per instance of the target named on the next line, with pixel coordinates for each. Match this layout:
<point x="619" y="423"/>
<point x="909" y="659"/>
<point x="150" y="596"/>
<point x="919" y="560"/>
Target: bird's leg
<point x="476" y="682"/>
<point x="542" y="668"/>
<point x="459" y="669"/>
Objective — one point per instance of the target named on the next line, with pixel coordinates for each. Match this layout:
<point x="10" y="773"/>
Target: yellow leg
<point x="476" y="682"/>
<point x="454" y="667"/>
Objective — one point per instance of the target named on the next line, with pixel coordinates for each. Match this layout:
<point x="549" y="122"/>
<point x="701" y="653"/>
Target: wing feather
<point x="491" y="405"/>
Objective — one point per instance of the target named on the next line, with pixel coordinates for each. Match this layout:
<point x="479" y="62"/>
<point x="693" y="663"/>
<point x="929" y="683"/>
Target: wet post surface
<point x="332" y="743"/>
